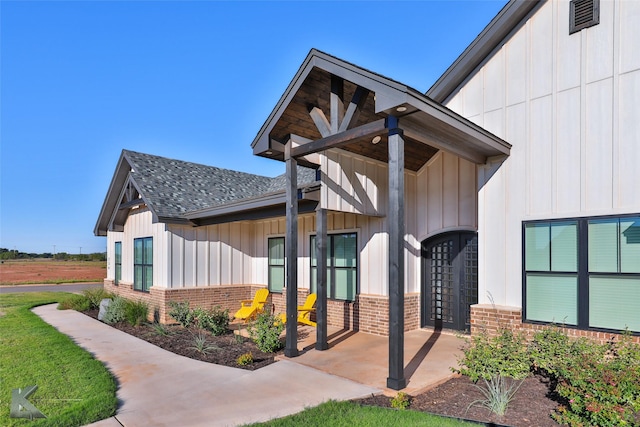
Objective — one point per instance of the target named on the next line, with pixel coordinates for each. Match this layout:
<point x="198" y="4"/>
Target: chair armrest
<point x="246" y="302"/>
<point x="305" y="310"/>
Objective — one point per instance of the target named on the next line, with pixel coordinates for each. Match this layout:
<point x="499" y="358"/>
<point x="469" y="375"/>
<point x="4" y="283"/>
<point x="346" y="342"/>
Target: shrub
<point x="487" y="357"/>
<point x="136" y="312"/>
<point x="401" y="401"/>
<point x="75" y="302"/>
<point x="214" y="320"/>
<point x="181" y="312"/>
<point x="95" y="296"/>
<point x="265" y="332"/>
<point x="601" y="386"/>
<point x="115" y="311"/>
<point x="245" y="359"/>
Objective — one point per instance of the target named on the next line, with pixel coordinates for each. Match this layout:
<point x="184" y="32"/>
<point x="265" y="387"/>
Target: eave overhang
<point x="308" y="111"/>
<point x="268" y="206"/>
<point x="493" y="36"/>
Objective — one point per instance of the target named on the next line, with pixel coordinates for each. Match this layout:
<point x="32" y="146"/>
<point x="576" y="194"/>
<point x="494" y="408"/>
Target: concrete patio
<point x="363" y="358"/>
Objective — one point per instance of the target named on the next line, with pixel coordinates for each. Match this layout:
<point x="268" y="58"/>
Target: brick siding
<point x="493" y="318"/>
<point x="368" y="313"/>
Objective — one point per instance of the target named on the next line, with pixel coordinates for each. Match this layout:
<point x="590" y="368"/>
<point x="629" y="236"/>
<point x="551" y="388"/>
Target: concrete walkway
<point x="159" y="388"/>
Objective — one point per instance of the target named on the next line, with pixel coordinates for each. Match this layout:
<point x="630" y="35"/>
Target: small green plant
<point x="265" y="332"/>
<point x="181" y="312"/>
<point x="136" y="312"/>
<point x="95" y="296"/>
<point x="245" y="359"/>
<point x="200" y="343"/>
<point x="401" y="401"/>
<point x="160" y="329"/>
<point x="238" y="338"/>
<point x="498" y="391"/>
<point x="115" y="311"/>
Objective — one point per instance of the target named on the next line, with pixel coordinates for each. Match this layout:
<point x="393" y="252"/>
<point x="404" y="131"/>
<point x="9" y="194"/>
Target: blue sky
<point x="80" y="81"/>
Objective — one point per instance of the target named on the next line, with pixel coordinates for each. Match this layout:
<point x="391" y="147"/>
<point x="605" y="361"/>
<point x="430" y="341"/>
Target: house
<point x="508" y="194"/>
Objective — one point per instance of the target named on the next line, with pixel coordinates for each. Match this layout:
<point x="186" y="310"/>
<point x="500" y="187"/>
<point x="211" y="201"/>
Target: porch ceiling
<point x="428" y="126"/>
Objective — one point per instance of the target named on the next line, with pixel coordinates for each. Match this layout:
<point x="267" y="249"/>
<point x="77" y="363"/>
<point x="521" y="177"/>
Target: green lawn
<point x="348" y="414"/>
<point x="73" y="388"/>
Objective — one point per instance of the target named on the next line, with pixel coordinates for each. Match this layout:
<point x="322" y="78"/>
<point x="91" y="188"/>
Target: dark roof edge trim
<point x="493" y="34"/>
<point x="106" y="211"/>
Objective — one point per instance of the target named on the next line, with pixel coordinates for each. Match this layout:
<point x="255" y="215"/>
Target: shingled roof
<point x="174" y="188"/>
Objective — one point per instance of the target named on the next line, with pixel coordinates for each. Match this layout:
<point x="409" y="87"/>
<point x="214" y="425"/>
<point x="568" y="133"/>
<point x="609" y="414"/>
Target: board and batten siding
<point x="212" y="255"/>
<point x="354" y="184"/>
<point x="139" y="224"/>
<point x="569" y="105"/>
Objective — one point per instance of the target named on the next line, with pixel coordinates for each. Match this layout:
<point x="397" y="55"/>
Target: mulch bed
<point x="532" y="405"/>
<point x="227" y="348"/>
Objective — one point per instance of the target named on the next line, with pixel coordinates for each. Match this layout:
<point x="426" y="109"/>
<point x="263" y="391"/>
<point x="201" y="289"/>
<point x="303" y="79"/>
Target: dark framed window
<point x="143" y="264"/>
<point x="118" y="262"/>
<point x="276" y="264"/>
<point x="342" y="266"/>
<point x="583" y="272"/>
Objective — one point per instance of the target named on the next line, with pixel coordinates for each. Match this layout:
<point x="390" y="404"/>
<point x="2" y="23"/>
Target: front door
<point x="449" y="280"/>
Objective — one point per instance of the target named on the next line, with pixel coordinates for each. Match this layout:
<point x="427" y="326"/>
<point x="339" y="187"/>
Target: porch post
<point x="395" y="216"/>
<point x="321" y="278"/>
<point x="291" y="251"/>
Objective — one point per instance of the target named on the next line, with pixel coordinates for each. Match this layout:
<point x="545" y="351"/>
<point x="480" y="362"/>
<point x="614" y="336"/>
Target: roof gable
<point x="336" y="104"/>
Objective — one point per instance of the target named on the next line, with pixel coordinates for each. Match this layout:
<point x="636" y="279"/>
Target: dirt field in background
<point x="20" y="272"/>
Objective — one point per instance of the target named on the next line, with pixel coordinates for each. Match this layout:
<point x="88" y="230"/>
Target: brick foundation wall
<point x="368" y="313"/>
<point x="227" y="297"/>
<point x="492" y="318"/>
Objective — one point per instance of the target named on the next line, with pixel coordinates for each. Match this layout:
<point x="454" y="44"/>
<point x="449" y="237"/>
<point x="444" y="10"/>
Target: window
<point x="276" y="264"/>
<point x="342" y="266"/>
<point x="118" y="262"/>
<point x="583" y="272"/>
<point x="143" y="264"/>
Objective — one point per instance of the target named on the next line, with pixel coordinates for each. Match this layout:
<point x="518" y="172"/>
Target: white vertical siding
<point x="353" y="184"/>
<point x="570" y="108"/>
<point x="445" y="196"/>
<point x="139" y="224"/>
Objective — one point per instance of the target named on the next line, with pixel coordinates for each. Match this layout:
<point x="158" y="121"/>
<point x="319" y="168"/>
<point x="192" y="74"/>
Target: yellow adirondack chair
<point x="249" y="309"/>
<point x="304" y="311"/>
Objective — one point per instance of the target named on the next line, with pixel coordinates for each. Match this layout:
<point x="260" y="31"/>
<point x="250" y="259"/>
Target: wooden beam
<point x="336" y="102"/>
<point x="323" y="125"/>
<point x="291" y="251"/>
<point x="334" y="141"/>
<point x="321" y="279"/>
<point x="428" y="136"/>
<point x="395" y="224"/>
<point x="355" y="107"/>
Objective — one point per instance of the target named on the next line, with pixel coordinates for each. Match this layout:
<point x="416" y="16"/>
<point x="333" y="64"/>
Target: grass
<point x="349" y="414"/>
<point x="73" y="388"/>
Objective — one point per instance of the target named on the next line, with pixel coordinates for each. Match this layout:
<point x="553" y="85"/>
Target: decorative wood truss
<point x="130" y="198"/>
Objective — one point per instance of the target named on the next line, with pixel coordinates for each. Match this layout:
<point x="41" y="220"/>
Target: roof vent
<point x="583" y="14"/>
